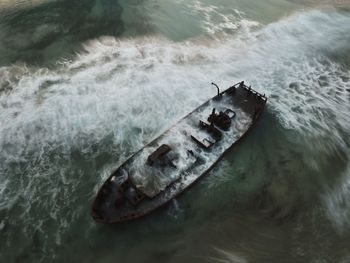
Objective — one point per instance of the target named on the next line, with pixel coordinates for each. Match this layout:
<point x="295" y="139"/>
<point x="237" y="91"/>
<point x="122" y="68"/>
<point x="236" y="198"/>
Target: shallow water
<point x="83" y="84"/>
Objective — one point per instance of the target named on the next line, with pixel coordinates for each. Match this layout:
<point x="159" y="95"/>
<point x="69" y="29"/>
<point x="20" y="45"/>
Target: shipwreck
<point x="175" y="160"/>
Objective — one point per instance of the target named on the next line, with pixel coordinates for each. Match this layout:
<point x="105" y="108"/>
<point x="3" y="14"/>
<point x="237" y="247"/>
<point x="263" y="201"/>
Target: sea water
<point x="84" y="84"/>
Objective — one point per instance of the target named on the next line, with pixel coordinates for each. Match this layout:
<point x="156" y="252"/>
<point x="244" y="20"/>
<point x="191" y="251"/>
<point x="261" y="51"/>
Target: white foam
<point x="226" y="256"/>
<point x="213" y="21"/>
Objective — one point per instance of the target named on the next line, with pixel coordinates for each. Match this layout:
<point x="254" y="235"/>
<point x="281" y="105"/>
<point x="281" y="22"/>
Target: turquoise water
<point x="83" y="84"/>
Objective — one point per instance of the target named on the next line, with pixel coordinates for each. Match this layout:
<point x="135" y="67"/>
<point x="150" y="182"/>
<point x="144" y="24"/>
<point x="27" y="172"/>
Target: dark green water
<point x="83" y="84"/>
